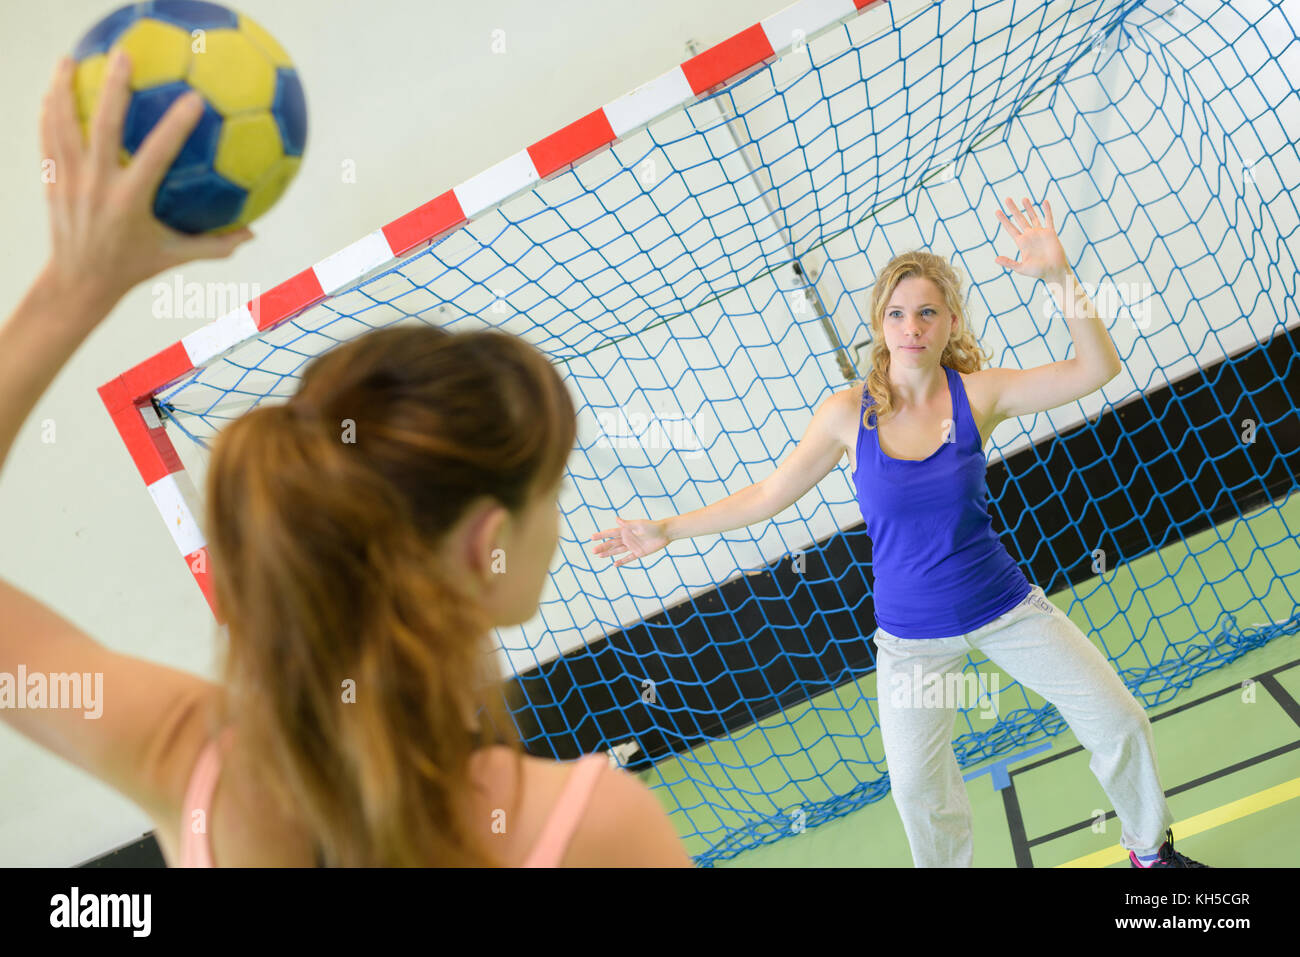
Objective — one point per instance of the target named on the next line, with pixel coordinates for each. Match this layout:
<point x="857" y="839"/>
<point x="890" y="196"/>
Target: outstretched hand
<point x="104" y="236"/>
<point x="1041" y="253"/>
<point x="637" y="538"/>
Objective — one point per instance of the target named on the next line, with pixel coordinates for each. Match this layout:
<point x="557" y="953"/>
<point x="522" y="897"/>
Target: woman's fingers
<point x="616" y="541"/>
<point x="164" y="142"/>
<point x="50" y="152"/>
<point x="610" y="540"/>
<point x="59" y="124"/>
<point x="1036" y="250"/>
<point x="1032" y="214"/>
<point x="1020" y="218"/>
<point x="1015" y="233"/>
<point x="610" y="549"/>
<point x="1027" y="217"/>
<point x="49" y="143"/>
<point x="186" y="248"/>
<point x="106" y="127"/>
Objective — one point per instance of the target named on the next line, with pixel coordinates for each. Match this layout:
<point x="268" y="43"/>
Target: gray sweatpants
<point x="1036" y="644"/>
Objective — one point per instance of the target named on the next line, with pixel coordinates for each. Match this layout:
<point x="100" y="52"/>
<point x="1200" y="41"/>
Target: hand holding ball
<point x="249" y="141"/>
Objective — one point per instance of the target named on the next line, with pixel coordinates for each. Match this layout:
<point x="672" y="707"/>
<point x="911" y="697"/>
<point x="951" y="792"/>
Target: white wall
<point x="409" y="90"/>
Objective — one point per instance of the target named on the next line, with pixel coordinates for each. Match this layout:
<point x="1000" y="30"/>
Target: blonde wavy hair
<point x="962" y="353"/>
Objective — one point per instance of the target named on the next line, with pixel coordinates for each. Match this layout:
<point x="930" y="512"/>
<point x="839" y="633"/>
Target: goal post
<point x="697" y="259"/>
<point x="130" y="397"/>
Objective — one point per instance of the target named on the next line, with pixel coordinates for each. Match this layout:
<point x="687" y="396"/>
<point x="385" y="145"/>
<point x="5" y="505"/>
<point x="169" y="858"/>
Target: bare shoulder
<point x="981" y="395"/>
<point x="978" y="384"/>
<point x="623" y="824"/>
<point x="244" y="828"/>
<point x="184" y="730"/>
<point x="850" y="397"/>
<point x="846" y="405"/>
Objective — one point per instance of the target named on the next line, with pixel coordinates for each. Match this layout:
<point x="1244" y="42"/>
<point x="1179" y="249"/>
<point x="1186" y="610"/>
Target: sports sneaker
<point x="1168" y="856"/>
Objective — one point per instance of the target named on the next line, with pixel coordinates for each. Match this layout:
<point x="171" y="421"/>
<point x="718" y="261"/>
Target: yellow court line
<point x="1197" y="823"/>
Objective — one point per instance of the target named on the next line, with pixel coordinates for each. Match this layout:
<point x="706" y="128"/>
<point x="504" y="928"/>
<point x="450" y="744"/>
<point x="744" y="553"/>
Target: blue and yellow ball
<point x="249" y="142"/>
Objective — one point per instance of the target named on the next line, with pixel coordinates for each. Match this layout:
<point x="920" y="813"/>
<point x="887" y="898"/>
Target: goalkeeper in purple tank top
<point x="945" y="587"/>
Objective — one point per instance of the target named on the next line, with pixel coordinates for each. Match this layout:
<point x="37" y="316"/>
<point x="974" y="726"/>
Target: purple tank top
<point x="939" y="569"/>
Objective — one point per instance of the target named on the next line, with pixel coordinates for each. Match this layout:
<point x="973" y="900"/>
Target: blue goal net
<point x="703" y="284"/>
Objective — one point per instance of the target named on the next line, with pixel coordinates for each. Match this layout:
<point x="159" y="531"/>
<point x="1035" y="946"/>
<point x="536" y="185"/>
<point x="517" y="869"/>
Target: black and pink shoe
<point x="1168" y="856"/>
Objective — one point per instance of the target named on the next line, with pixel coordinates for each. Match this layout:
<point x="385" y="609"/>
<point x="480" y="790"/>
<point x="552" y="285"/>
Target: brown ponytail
<point x="325" y="516"/>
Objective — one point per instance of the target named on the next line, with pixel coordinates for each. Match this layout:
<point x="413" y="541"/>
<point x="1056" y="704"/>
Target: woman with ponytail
<point x="365" y="538"/>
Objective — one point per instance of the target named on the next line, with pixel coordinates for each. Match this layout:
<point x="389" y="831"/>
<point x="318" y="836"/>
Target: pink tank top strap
<point x="567" y="815"/>
<point x="196" y="843"/>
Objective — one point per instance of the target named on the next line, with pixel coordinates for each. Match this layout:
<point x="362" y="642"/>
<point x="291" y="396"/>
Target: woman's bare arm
<point x="819" y="451"/>
<point x="104" y="240"/>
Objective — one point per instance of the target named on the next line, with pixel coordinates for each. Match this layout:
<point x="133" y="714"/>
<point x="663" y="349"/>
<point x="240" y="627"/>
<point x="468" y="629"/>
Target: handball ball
<point x="249" y="141"/>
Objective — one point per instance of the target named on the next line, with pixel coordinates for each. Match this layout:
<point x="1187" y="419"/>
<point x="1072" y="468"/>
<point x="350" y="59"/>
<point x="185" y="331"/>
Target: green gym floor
<point x="1228" y="745"/>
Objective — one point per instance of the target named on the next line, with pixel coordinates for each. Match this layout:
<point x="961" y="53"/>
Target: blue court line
<point x="1001" y="779"/>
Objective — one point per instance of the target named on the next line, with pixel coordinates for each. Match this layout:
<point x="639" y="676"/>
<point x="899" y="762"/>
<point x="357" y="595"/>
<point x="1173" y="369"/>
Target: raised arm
<point x="104" y="240"/>
<point x="1017" y="392"/>
<point x="819" y="451"/>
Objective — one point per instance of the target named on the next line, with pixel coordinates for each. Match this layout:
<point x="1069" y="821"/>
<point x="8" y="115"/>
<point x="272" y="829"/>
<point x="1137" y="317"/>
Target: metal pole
<point x="806" y="277"/>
